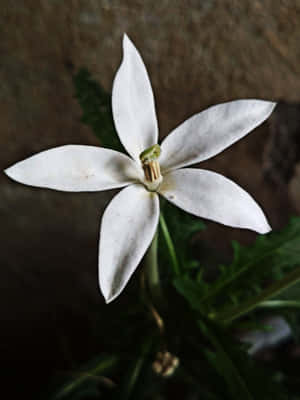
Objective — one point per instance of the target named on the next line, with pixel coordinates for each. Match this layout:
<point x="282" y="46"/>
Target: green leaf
<point x="132" y="375"/>
<point x="96" y="109"/>
<point x="271" y="256"/>
<point x="277" y="304"/>
<point x="253" y="268"/>
<point x="243" y="377"/>
<point x="87" y="374"/>
<point x="286" y="303"/>
<point x="238" y="387"/>
<point x="277" y="287"/>
<point x="192" y="291"/>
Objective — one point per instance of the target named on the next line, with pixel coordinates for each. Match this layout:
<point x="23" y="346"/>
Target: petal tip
<point x="269" y="107"/>
<point x="126" y="41"/>
<point x="6" y="171"/>
<point x="10" y="173"/>
<point x="107" y="291"/>
<point x="273" y="104"/>
<point x="265" y="230"/>
<point x="263" y="227"/>
<point x="108" y="299"/>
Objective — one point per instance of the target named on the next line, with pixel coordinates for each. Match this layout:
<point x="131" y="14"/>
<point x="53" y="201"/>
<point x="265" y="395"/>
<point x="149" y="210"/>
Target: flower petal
<point x="76" y="168"/>
<point x="208" y="133"/>
<point x="127" y="229"/>
<point x="212" y="196"/>
<point x="133" y="103"/>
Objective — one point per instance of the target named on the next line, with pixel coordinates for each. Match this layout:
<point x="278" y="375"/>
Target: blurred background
<point x="198" y="53"/>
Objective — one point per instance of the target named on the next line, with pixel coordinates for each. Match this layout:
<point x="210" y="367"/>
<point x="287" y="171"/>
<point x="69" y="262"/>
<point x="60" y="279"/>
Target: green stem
<point x="170" y="245"/>
<point x="133" y="375"/>
<point x="280" y="304"/>
<point x="103" y="365"/>
<point x="152" y="272"/>
<point x="225" y="365"/>
<point x="277" y="287"/>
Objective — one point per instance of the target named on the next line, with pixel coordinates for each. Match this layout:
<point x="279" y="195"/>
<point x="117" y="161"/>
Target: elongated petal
<point x="133" y="103"/>
<point x="76" y="168"/>
<point x="212" y="196"/>
<point x="208" y="133"/>
<point x="127" y="229"/>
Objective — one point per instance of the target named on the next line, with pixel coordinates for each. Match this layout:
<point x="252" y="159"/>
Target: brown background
<point x="197" y="53"/>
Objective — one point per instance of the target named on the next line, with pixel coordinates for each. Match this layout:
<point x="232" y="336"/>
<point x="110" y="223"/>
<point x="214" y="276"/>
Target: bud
<point x="165" y="364"/>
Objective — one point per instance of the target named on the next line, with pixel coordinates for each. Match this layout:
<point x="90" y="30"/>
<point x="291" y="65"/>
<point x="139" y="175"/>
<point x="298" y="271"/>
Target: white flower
<point x="130" y="220"/>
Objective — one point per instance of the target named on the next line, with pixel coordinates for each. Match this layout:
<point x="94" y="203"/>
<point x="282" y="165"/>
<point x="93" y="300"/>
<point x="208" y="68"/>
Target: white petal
<point x="76" y="168"/>
<point x="127" y="229"/>
<point x="133" y="103"/>
<point x="208" y="133"/>
<point x="212" y="196"/>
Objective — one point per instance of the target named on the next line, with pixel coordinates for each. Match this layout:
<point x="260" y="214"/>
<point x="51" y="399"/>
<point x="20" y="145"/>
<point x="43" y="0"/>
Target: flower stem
<point x="170" y="245"/>
<point x="152" y="272"/>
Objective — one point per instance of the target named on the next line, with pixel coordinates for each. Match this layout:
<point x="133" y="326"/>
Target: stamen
<point x="151" y="167"/>
<point x="152" y="171"/>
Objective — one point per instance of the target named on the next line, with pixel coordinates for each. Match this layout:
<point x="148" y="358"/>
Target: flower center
<point x="151" y="167"/>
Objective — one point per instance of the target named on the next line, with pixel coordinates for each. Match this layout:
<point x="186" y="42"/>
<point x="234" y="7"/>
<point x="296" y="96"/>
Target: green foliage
<point x="276" y="253"/>
<point x="96" y="109"/>
<point x="287" y="303"/>
<point x="85" y="384"/>
<point x="253" y="268"/>
<point x="243" y="377"/>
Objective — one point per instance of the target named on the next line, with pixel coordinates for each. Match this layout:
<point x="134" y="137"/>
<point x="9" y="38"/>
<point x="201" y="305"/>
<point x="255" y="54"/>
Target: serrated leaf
<point x="269" y="292"/>
<point x="192" y="290"/>
<point x="269" y="258"/>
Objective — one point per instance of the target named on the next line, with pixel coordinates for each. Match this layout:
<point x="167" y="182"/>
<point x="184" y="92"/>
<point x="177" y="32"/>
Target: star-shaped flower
<point x="131" y="218"/>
